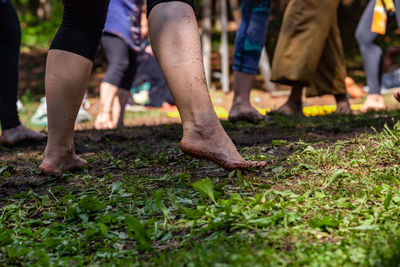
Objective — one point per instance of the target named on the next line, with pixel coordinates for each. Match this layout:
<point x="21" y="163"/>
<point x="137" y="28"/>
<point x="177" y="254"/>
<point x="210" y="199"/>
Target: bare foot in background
<point x="104" y="121"/>
<point x="290" y="108"/>
<point x="397" y="96"/>
<point x="343" y="105"/>
<point x="353" y="89"/>
<point x="374" y="102"/>
<point x="293" y="105"/>
<point x="19" y="134"/>
<point x="244" y="113"/>
<point x="212" y="143"/>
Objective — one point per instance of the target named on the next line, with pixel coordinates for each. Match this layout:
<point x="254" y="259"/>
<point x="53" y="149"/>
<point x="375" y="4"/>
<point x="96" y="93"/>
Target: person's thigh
<point x="118" y="57"/>
<point x="81" y="28"/>
<point x="364" y="35"/>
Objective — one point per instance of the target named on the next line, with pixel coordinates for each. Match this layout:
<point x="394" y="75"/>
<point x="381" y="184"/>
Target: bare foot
<point x="353" y="89"/>
<point x="55" y="163"/>
<point x="374" y="102"/>
<point x="104" y="121"/>
<point x="397" y="96"/>
<point x="290" y="108"/>
<point x="244" y="113"/>
<point x="213" y="143"/>
<point x="19" y="134"/>
<point x="343" y="105"/>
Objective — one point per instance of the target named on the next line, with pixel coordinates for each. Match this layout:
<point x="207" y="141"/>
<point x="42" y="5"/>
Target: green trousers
<point x="309" y="49"/>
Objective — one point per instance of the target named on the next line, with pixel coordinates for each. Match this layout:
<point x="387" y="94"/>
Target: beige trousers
<point x="309" y="49"/>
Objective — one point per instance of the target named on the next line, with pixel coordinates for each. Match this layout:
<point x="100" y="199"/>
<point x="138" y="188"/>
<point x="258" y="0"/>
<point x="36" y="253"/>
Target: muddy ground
<point x="153" y="151"/>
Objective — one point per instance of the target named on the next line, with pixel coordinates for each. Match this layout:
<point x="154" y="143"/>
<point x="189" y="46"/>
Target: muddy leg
<point x="176" y="44"/>
<point x="65" y="88"/>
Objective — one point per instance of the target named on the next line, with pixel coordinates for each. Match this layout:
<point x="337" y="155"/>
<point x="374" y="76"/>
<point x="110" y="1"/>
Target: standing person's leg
<point x="118" y="55"/>
<point x="372" y="55"/>
<point x="249" y="42"/>
<point x="331" y="72"/>
<point x="397" y="5"/>
<point x="126" y="83"/>
<point x="12" y="130"/>
<point x="176" y="44"/>
<point x="74" y="49"/>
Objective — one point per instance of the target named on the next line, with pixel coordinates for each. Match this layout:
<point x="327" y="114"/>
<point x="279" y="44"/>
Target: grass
<point x="329" y="197"/>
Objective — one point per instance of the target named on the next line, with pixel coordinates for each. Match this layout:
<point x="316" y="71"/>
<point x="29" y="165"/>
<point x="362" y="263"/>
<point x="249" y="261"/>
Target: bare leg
<point x="397" y="96"/>
<point x="353" y="89"/>
<point x="176" y="44"/>
<point x="19" y="134"/>
<point x="342" y="104"/>
<point x="241" y="108"/>
<point x="123" y="96"/>
<point x="108" y="94"/>
<point x="374" y="102"/>
<point x="293" y="105"/>
<point x="65" y="88"/>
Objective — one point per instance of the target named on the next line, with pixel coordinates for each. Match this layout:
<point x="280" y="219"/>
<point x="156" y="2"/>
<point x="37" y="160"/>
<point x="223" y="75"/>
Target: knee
<point x="362" y="37"/>
<point x="152" y="3"/>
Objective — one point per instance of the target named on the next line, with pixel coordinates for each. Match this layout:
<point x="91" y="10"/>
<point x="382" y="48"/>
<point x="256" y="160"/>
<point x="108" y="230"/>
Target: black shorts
<point x="83" y="23"/>
<point x="122" y="61"/>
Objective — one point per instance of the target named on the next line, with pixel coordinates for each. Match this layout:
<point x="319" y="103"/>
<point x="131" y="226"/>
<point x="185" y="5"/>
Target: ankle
<point x="241" y="101"/>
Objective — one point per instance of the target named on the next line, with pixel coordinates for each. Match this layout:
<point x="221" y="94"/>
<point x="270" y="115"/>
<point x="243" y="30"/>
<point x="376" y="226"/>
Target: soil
<point x="155" y="149"/>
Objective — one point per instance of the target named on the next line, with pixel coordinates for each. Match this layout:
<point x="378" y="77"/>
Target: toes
<point x="244" y="165"/>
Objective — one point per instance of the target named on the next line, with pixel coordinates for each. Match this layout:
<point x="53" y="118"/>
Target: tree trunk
<point x="206" y="37"/>
<point x="224" y="49"/>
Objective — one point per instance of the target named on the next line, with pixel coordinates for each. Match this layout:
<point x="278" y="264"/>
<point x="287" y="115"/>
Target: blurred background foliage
<point x="41" y="18"/>
<point x="39" y="21"/>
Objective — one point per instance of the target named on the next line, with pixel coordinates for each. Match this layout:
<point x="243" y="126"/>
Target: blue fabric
<point x="250" y="36"/>
<point x="123" y="19"/>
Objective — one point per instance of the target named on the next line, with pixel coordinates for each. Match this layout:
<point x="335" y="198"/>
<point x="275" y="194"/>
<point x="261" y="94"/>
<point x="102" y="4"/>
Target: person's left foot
<point x="353" y="89"/>
<point x="343" y="105"/>
<point x="14" y="136"/>
<point x="244" y="113"/>
<point x="373" y="102"/>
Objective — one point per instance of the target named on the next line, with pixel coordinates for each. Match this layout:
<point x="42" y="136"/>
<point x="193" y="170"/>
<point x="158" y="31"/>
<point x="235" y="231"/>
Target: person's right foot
<point x="56" y="162"/>
<point x="290" y="108"/>
<point x="212" y="143"/>
<point x="374" y="102"/>
<point x="343" y="105"/>
<point x="104" y="121"/>
<point x="244" y="113"/>
<point x="14" y="136"/>
<point x="353" y="89"/>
